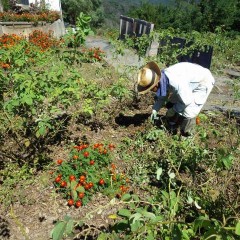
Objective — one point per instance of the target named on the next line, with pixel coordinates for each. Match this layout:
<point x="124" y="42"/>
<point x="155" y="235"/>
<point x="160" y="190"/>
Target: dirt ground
<point x="34" y="218"/>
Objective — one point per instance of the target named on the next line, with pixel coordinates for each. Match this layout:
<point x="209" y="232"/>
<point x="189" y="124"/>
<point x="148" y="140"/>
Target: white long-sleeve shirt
<point x="189" y="87"/>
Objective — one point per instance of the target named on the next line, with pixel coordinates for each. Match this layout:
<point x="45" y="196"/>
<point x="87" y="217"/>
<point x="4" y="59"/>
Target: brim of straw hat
<point x="154" y="67"/>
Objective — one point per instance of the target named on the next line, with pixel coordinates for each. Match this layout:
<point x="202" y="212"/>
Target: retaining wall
<point x="25" y="28"/>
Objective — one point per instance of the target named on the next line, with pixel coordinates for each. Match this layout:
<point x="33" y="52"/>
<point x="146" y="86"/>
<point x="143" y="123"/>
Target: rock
<point x="233" y="73"/>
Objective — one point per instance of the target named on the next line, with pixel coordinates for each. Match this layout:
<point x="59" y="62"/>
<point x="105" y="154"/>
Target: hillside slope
<point x="114" y="8"/>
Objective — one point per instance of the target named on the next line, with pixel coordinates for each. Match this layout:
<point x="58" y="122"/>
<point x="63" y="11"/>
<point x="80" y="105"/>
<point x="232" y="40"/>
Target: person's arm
<point x="159" y="102"/>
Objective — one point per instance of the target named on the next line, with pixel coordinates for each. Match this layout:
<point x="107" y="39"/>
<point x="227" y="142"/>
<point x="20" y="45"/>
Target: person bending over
<point x="182" y="88"/>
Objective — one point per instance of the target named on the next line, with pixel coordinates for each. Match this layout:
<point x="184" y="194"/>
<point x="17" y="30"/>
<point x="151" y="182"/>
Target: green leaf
<point x="58" y="231"/>
<point x="135" y="226"/>
<point x="124" y="213"/>
<point x="126" y="197"/>
<point x="80" y="189"/>
<point x="159" y="173"/>
<point x="28" y="100"/>
<point x="165" y="194"/>
<point x="42" y="130"/>
<point x="237" y="229"/>
<point x="228" y="161"/>
<point x="135" y="197"/>
<point x="136" y="217"/>
<point x="200" y="222"/>
<point x="74" y="195"/>
<point x="103" y="236"/>
<point x="73" y="185"/>
<point x="149" y="215"/>
<point x="69" y="227"/>
<point x="150" y="237"/>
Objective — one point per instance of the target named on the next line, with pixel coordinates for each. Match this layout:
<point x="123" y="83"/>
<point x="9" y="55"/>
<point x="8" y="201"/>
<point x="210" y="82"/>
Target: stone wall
<point x="25" y="29"/>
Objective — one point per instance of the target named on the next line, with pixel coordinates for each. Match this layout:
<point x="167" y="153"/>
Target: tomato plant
<point x="81" y="178"/>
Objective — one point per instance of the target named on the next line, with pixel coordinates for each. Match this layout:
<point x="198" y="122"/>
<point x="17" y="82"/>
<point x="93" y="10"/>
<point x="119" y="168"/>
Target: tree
<point x="188" y="15"/>
<point x="219" y="13"/>
<point x="72" y="8"/>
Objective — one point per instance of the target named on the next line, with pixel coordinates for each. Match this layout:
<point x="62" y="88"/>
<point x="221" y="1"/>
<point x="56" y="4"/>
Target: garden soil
<point x="39" y="207"/>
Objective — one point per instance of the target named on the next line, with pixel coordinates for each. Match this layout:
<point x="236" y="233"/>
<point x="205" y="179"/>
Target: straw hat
<point x="148" y="77"/>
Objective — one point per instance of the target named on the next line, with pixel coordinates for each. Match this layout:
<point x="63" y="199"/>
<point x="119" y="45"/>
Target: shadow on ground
<point x="136" y="120"/>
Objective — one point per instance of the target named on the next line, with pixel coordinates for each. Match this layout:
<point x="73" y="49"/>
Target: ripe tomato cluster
<point x="89" y="170"/>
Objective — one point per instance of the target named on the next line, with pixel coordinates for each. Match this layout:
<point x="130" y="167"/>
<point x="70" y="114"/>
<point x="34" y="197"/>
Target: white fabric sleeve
<point x="185" y="98"/>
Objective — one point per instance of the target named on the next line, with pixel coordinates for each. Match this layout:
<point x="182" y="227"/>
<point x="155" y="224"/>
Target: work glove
<point x="154" y="116"/>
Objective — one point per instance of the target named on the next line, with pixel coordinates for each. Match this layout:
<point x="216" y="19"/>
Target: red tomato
<point x="96" y="145"/>
<point x="70" y="202"/>
<point x="75" y="157"/>
<point x="57" y="179"/>
<point x="105" y="151"/>
<point x="101" y="182"/>
<point x="82" y="178"/>
<point x="85" y="146"/>
<point x="90" y="185"/>
<point x="86" y="154"/>
<point x="63" y="184"/>
<point x="111" y="146"/>
<point x="59" y="161"/>
<point x="78" y="204"/>
<point x="72" y="178"/>
<point x="91" y="162"/>
<point x="198" y="120"/>
<point x="81" y="195"/>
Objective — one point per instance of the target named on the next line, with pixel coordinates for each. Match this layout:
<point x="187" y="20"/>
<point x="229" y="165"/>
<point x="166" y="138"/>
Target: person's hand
<point x="154" y="116"/>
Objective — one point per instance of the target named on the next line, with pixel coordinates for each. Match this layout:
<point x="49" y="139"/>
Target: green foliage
<point x="72" y="9"/>
<point x="225" y="48"/>
<point x="201" y="15"/>
<point x="77" y="37"/>
<point x="5" y="4"/>
<point x="162" y="162"/>
<point x="12" y="176"/>
<point x="37" y="89"/>
<point x="120" y="90"/>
